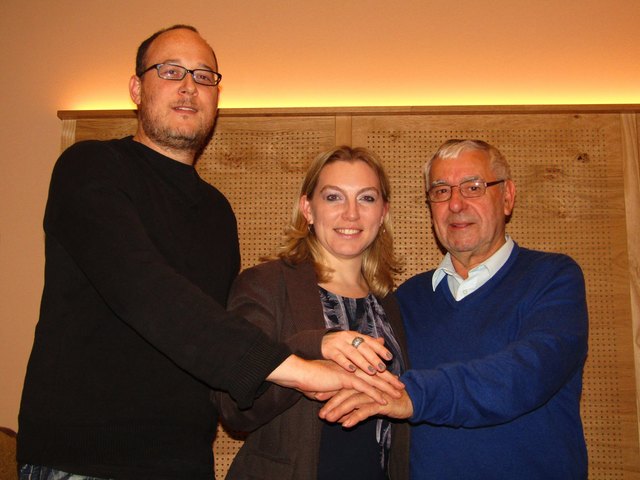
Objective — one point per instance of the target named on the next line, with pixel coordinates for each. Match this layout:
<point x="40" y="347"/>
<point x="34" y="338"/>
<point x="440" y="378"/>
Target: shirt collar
<point x="492" y="264"/>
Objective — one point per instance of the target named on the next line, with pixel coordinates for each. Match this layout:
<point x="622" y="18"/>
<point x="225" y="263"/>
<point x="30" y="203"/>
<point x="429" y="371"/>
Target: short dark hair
<point x="144" y="46"/>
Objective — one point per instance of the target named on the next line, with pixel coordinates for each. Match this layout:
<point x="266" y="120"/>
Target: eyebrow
<point x="435" y="183"/>
<point x="201" y="66"/>
<point x="362" y="190"/>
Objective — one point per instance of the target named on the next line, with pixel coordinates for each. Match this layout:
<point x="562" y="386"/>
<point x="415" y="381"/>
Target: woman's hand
<point x="368" y="355"/>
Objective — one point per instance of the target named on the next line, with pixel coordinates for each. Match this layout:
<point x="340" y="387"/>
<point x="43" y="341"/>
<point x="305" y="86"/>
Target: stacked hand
<point x="316" y="377"/>
<point x="352" y="349"/>
<point x="353" y="378"/>
<point x="350" y="407"/>
<point x="349" y="365"/>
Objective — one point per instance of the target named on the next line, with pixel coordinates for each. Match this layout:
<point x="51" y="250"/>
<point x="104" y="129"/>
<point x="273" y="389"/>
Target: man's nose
<point x="188" y="85"/>
<point x="456" y="202"/>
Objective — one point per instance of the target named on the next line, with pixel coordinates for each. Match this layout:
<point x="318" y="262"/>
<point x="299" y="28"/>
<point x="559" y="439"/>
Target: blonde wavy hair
<point x="379" y="263"/>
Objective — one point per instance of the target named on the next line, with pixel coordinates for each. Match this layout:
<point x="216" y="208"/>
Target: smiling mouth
<point x="460" y="225"/>
<point x="348" y="231"/>
<point x="185" y="108"/>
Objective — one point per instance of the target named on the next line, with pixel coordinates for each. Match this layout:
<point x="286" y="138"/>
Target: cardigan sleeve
<point x="548" y="353"/>
<point x="259" y="295"/>
<point x="93" y="220"/>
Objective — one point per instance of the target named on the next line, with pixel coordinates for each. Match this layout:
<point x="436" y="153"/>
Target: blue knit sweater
<point x="496" y="378"/>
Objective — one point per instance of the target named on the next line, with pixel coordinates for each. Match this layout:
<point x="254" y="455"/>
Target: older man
<point x="497" y="339"/>
<point x="140" y="255"/>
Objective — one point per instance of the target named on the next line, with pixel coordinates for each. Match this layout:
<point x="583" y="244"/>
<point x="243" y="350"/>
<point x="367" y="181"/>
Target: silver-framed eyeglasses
<point x="169" y="71"/>
<point x="468" y="189"/>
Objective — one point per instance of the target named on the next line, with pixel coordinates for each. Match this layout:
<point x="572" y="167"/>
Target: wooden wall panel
<point x="576" y="171"/>
<point x="258" y="164"/>
<point x="631" y="173"/>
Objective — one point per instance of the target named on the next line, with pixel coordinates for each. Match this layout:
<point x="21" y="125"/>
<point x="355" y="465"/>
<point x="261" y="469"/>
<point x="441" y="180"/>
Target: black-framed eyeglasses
<point x="169" y="71"/>
<point x="468" y="189"/>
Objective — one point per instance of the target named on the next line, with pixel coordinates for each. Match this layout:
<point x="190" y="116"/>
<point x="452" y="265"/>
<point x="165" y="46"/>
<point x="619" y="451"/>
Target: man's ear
<point x="509" y="196"/>
<point x="135" y="88"/>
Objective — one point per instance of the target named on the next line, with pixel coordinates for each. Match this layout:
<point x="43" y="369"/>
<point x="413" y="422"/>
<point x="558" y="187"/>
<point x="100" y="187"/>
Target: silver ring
<point x="357" y="342"/>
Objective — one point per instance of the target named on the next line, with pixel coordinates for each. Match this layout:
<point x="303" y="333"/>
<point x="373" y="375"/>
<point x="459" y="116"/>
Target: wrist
<point x="286" y="374"/>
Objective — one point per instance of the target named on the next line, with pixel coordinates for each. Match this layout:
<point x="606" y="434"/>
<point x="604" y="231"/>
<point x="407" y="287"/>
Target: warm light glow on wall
<point x="301" y="101"/>
<point x="307" y="91"/>
<point x="313" y="54"/>
<point x="101" y="105"/>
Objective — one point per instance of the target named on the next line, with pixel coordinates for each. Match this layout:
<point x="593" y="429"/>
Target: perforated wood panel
<point x="568" y="169"/>
<point x="259" y="164"/>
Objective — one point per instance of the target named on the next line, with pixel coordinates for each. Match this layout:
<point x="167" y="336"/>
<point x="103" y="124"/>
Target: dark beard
<point x="170" y="139"/>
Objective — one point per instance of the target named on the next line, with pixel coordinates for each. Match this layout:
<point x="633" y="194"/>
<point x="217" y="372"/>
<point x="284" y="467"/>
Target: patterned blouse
<point x="364" y="315"/>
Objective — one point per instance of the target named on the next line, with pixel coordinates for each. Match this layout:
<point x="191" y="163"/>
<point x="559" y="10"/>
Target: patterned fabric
<point x="38" y="472"/>
<point x="365" y="315"/>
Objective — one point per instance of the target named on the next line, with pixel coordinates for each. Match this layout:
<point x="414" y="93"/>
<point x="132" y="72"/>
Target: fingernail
<point x="389" y="356"/>
<point x="352" y="367"/>
<point x="381" y="366"/>
<point x="371" y="369"/>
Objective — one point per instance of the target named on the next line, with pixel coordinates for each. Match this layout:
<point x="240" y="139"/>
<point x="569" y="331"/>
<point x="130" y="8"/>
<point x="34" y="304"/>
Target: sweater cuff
<point x="415" y="389"/>
<point x="248" y="377"/>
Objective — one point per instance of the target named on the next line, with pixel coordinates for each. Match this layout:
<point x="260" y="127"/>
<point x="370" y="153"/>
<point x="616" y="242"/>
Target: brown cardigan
<point x="283" y="300"/>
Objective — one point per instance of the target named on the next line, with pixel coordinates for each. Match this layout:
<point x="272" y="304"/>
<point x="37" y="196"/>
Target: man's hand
<point x="326" y="376"/>
<point x="349" y="408"/>
<point x="369" y="355"/>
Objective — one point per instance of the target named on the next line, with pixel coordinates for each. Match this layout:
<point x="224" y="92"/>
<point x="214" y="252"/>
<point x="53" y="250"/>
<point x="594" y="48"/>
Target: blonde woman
<point x="327" y="294"/>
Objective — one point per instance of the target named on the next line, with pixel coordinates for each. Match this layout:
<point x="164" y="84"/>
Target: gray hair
<point x="453" y="148"/>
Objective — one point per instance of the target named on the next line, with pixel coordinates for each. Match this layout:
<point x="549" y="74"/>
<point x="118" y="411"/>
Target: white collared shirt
<point x="478" y="276"/>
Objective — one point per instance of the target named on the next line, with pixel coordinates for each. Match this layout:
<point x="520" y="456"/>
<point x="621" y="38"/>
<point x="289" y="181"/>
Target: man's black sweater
<point x="140" y="254"/>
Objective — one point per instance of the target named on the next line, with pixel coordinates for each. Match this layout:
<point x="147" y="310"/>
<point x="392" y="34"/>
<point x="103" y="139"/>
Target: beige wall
<point x="72" y="54"/>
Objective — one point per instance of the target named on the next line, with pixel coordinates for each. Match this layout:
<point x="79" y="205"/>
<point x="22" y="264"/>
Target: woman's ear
<point x="385" y="212"/>
<point x="305" y="207"/>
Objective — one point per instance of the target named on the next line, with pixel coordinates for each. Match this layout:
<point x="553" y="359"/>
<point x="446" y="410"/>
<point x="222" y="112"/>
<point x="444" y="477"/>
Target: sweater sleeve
<point x="93" y="220"/>
<point x="547" y="353"/>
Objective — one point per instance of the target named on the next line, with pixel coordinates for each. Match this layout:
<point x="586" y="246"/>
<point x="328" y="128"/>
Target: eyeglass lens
<point x="177" y="72"/>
